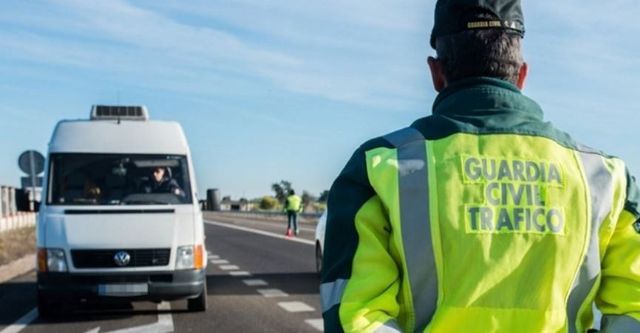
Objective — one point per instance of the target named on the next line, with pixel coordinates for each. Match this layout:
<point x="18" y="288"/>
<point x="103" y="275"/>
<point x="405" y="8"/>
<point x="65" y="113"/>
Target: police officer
<point x="292" y="206"/>
<point x="481" y="217"/>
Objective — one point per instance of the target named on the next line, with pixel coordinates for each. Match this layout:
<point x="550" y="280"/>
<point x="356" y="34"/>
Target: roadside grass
<point x="15" y="244"/>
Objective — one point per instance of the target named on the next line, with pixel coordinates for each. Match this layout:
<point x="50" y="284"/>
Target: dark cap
<point x="453" y="16"/>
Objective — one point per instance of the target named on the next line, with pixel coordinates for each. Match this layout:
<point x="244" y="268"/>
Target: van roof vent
<point x="119" y="112"/>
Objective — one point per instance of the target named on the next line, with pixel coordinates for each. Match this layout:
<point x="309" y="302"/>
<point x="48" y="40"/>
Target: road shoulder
<point x="17" y="267"/>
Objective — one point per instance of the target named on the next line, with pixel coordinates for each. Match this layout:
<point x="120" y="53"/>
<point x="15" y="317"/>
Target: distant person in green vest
<point x="292" y="205"/>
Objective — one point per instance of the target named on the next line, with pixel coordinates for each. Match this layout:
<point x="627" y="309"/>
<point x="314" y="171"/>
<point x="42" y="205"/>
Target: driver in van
<point x="161" y="182"/>
<point x="91" y="190"/>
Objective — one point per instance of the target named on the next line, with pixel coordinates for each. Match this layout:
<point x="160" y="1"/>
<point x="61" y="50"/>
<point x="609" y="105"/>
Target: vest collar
<point x="484" y="96"/>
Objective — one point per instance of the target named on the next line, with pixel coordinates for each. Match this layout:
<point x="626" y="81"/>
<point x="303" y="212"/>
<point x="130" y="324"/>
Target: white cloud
<point x="144" y="40"/>
<point x="278" y="16"/>
<point x="591" y="38"/>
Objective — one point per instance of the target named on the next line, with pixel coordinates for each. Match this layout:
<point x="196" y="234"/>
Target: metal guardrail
<point x="269" y="213"/>
<point x="266" y="214"/>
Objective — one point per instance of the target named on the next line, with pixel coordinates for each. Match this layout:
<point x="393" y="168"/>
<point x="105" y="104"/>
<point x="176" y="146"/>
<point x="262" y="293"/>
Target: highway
<point x="258" y="281"/>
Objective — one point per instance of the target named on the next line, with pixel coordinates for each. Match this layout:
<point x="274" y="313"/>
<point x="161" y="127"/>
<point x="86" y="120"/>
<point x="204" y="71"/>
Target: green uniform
<point x="481" y="218"/>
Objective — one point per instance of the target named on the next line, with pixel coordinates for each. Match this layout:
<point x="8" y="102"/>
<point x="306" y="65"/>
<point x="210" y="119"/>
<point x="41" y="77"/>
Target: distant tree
<point x="226" y="198"/>
<point x="268" y="202"/>
<point x="324" y="196"/>
<point x="307" y="198"/>
<point x="281" y="190"/>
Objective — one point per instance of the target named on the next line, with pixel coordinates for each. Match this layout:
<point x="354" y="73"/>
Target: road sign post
<point x="31" y="162"/>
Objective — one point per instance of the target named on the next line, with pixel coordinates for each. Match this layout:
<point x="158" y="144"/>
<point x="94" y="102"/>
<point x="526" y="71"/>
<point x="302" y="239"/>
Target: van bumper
<point x="159" y="285"/>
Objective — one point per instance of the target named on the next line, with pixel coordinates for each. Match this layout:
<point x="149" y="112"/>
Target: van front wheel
<point x="199" y="303"/>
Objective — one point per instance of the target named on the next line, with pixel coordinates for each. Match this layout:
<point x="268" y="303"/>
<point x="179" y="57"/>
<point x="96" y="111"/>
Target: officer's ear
<point x="437" y="74"/>
<point x="522" y="75"/>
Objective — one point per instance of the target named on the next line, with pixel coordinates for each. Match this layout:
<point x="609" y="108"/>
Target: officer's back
<point x="481" y="217"/>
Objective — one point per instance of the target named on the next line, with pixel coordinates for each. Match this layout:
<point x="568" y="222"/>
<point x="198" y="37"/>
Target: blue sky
<point x="278" y="89"/>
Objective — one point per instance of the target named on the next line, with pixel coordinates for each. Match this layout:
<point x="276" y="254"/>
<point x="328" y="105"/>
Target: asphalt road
<point x="258" y="281"/>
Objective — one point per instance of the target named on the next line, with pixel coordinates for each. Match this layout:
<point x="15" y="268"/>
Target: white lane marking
<point x="219" y="261"/>
<point x="261" y="232"/>
<point x="316" y="323"/>
<point x="22" y="323"/>
<point x="213" y="257"/>
<point x="163" y="325"/>
<point x="270" y="293"/>
<point x="296" y="307"/>
<point x="255" y="282"/>
<point x="239" y="273"/>
<point x="165" y="319"/>
<point x="229" y="267"/>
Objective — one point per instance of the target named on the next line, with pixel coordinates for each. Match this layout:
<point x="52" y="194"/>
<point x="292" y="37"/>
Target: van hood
<point x="109" y="229"/>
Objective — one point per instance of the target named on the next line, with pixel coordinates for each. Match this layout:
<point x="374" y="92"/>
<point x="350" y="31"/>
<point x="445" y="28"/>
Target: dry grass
<point x="15" y="244"/>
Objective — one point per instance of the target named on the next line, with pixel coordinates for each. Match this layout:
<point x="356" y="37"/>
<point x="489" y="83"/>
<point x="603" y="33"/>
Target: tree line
<point x="281" y="191"/>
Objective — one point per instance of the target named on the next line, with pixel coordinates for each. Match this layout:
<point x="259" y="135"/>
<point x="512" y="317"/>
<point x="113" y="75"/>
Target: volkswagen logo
<point x="122" y="258"/>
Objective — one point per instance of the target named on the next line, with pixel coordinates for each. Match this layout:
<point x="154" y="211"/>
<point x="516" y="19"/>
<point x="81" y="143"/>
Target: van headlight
<point x="52" y="260"/>
<point x="190" y="257"/>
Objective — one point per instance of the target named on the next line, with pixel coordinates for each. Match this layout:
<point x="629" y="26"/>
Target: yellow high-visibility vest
<point x="481" y="218"/>
<point x="293" y="203"/>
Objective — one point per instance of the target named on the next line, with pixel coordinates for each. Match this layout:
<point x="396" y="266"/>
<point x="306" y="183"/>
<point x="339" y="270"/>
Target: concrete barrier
<point x="17" y="221"/>
<point x="10" y="217"/>
<point x="8" y="201"/>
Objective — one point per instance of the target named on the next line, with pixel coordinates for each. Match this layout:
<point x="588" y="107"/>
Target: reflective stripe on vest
<point x="331" y="293"/>
<point x="599" y="181"/>
<point x="389" y="327"/>
<point x="619" y="324"/>
<point x="415" y="222"/>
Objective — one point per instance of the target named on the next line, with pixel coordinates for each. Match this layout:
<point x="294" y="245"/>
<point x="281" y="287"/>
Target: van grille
<point x="105" y="258"/>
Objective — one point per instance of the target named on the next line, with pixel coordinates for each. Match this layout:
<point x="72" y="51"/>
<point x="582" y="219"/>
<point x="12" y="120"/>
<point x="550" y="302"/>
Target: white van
<point x="119" y="217"/>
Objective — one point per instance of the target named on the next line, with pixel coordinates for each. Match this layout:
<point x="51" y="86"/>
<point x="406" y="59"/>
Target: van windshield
<point x="118" y="179"/>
